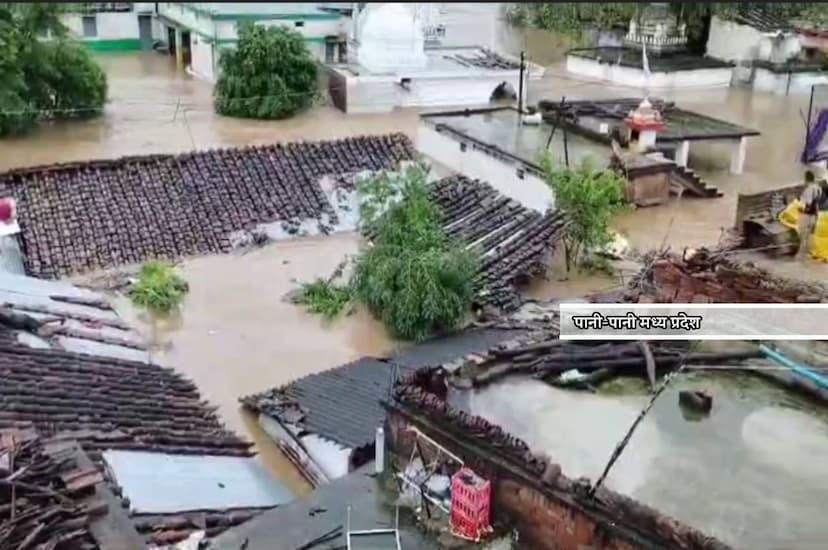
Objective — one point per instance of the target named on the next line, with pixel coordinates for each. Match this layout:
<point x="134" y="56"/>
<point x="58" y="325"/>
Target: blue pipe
<point x="804" y="372"/>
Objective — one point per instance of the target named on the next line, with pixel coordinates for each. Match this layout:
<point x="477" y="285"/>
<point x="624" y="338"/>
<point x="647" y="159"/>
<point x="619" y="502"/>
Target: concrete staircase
<point x="693" y="183"/>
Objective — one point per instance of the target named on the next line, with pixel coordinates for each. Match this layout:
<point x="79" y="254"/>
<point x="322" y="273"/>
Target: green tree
<point x="413" y="278"/>
<point x="591" y="198"/>
<point x="43" y="79"/>
<point x="270" y="74"/>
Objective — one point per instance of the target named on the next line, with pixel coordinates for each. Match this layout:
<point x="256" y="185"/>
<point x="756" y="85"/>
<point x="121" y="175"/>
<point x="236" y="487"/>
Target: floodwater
<point x="749" y="474"/>
<point x="235" y="336"/>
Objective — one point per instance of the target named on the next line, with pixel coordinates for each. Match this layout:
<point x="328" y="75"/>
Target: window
<point x="90" y="26"/>
<point x="329" y="52"/>
<point x="298" y="23"/>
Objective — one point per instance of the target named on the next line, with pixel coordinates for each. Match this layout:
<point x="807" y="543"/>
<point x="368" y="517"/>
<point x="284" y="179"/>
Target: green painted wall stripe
<point x="260" y="16"/>
<point x="123" y="45"/>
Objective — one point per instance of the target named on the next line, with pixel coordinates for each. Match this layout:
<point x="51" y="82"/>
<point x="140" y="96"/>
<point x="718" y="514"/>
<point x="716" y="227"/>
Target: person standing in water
<point x="812" y="201"/>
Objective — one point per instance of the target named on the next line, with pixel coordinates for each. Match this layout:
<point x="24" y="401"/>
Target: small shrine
<point x="656" y="28"/>
<point x="648" y="175"/>
<point x="643" y="125"/>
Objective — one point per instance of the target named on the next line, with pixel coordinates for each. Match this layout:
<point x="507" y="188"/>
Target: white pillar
<point x="682" y="153"/>
<point x="379" y="451"/>
<point x="737" y="156"/>
<point x="646" y="138"/>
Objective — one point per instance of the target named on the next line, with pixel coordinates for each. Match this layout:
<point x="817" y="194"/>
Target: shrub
<point x="43" y="80"/>
<point x="591" y="198"/>
<point x="158" y="287"/>
<point x="269" y="75"/>
<point x="413" y="278"/>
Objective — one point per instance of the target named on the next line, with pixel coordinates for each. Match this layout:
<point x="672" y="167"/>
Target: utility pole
<point x="520" y="84"/>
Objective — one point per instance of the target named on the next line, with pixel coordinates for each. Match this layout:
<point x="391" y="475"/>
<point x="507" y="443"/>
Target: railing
<point x="103" y="7"/>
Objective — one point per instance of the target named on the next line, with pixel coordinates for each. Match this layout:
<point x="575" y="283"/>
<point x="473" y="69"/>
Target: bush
<point x="591" y="198"/>
<point x="269" y="75"/>
<point x="43" y="80"/>
<point x="324" y="297"/>
<point x="413" y="278"/>
<point x="158" y="287"/>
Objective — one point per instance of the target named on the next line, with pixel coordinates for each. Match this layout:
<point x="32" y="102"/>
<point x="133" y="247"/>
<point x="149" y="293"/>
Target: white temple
<point x="390" y="39"/>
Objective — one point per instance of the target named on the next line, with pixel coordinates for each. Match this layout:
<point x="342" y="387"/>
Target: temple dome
<point x="390" y="39"/>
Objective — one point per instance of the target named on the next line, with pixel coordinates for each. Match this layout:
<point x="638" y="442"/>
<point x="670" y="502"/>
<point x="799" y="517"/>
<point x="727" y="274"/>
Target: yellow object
<point x="819" y="243"/>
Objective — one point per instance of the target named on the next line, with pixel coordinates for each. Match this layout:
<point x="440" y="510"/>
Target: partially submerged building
<point x="390" y="66"/>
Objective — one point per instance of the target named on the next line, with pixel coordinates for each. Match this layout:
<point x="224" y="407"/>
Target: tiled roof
<point x="62" y="316"/>
<point x="515" y="241"/>
<point x="91" y="215"/>
<point x="761" y="20"/>
<point x="343" y="404"/>
<point x="108" y="403"/>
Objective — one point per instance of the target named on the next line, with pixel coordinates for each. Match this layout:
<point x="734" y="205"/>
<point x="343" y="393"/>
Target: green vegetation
<point x="269" y="75"/>
<point x="325" y="297"/>
<point x="44" y="79"/>
<point x="413" y="278"/>
<point x="573" y="18"/>
<point x="592" y="198"/>
<point x="158" y="287"/>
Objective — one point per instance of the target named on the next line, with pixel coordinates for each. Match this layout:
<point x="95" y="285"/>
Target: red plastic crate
<point x="471" y="498"/>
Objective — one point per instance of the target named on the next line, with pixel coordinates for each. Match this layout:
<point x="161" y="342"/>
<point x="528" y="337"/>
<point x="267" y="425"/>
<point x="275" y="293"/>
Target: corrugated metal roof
<point x="71" y="318"/>
<point x="157" y="483"/>
<point x="343" y="404"/>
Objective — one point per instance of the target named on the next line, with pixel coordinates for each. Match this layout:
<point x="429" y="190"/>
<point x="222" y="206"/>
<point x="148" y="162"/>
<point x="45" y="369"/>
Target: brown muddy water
<point x="235" y="336"/>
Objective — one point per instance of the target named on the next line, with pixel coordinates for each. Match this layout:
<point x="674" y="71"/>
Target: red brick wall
<point x="529" y="491"/>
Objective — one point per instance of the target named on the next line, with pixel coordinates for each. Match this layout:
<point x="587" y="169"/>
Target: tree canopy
<point x="413" y="278"/>
<point x="270" y="74"/>
<point x="44" y="79"/>
<point x="572" y="17"/>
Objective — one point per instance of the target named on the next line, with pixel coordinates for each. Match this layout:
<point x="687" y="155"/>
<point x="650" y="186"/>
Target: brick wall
<point x="711" y="278"/>
<point x="529" y="491"/>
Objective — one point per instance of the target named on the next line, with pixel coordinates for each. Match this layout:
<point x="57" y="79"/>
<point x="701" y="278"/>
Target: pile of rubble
<point x="92" y="215"/>
<point x="710" y="276"/>
<point x="41" y="496"/>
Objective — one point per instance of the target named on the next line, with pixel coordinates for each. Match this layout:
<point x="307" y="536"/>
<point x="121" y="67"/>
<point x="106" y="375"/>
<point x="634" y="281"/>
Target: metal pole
<point x="566" y="147"/>
<point x="808" y="124"/>
<point x="520" y="84"/>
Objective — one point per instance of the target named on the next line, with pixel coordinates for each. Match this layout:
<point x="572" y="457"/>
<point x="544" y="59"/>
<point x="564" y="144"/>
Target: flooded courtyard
<point x="235" y="335"/>
<point x="752" y="459"/>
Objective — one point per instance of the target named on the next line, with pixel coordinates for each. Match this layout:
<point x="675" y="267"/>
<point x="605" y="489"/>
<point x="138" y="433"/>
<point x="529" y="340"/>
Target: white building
<point x="203" y="29"/>
<point x="113" y="26"/>
<point x="391" y="66"/>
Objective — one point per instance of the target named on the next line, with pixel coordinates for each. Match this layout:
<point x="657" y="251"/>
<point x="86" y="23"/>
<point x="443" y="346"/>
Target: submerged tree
<point x="270" y="74"/>
<point x="591" y="198"/>
<point x="414" y="278"/>
<point x="44" y="78"/>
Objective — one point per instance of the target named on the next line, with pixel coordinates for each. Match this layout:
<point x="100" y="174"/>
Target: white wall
<point x="531" y="191"/>
<point x="731" y="41"/>
<point x="110" y="26"/>
<point x="629" y="76"/>
<point x="201" y="61"/>
<point x="767" y="81"/>
<point x="226" y="30"/>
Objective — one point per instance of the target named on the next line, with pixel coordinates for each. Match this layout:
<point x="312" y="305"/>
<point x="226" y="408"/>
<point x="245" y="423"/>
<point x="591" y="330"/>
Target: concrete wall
<point x="550" y="511"/>
<point x="115" y="31"/>
<point x="531" y="191"/>
<point x="313" y="29"/>
<point x="635" y="78"/>
<point x="382" y="94"/>
<point x="202" y="62"/>
<point x="778" y="83"/>
<point x="731" y="41"/>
